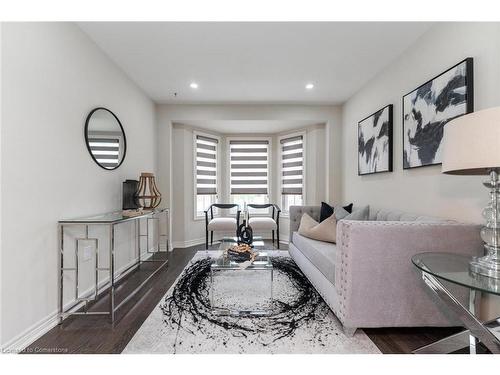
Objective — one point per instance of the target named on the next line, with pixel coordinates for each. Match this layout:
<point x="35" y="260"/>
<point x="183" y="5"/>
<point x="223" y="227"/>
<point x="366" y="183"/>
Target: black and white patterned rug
<point x="300" y="321"/>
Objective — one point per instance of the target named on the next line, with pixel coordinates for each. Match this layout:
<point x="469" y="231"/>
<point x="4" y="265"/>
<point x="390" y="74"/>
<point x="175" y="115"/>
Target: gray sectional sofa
<point x="367" y="277"/>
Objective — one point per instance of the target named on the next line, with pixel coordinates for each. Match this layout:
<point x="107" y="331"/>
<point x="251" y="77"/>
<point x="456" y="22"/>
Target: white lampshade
<point x="471" y="143"/>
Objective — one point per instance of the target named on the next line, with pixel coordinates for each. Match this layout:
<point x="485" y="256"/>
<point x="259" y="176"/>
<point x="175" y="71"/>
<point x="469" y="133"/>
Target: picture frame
<point x="375" y="142"/>
<point x="427" y="109"/>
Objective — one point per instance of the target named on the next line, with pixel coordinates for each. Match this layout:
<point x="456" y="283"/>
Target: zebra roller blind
<point x="105" y="149"/>
<point x="249" y="166"/>
<point x="206" y="165"/>
<point x="292" y="165"/>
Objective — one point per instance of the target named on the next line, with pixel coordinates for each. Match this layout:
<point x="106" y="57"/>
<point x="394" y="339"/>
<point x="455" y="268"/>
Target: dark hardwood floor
<point x="94" y="334"/>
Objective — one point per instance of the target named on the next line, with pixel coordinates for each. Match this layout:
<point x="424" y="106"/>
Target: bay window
<point x="249" y="171"/>
<point x="292" y="172"/>
<point x="206" y="171"/>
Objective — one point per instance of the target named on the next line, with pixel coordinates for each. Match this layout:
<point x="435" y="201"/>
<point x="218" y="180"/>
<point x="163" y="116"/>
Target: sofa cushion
<point x="262" y="223"/>
<point x="327" y="210"/>
<point x="321" y="254"/>
<point x="359" y="214"/>
<point x="324" y="231"/>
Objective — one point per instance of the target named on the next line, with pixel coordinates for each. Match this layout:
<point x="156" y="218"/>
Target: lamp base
<point x="489" y="265"/>
<point x="486" y="266"/>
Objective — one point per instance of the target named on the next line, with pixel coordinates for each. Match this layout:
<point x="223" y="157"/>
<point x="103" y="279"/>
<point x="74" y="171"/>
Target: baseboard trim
<point x="37" y="330"/>
<point x="33" y="333"/>
<point x="189" y="243"/>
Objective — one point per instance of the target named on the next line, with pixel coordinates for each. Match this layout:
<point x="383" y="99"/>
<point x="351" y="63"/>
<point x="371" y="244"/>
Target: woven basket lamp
<point x="147" y="193"/>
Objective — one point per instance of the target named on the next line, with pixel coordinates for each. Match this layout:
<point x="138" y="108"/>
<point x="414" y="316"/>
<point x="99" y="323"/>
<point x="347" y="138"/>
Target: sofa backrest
<point x="380" y="214"/>
<point x="375" y="214"/>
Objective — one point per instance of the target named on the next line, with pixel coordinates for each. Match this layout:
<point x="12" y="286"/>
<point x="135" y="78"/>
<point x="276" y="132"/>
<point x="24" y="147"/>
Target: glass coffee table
<point x="240" y="291"/>
<point x="437" y="268"/>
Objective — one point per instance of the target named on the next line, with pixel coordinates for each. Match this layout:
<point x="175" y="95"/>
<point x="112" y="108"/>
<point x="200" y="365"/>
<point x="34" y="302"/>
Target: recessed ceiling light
<point x="193" y="85"/>
<point x="309" y="86"/>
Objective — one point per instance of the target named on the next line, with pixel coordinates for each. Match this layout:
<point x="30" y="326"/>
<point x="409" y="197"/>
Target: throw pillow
<point x="340" y="212"/>
<point x="324" y="231"/>
<point x="361" y="214"/>
<point x="348" y="208"/>
<point x="327" y="210"/>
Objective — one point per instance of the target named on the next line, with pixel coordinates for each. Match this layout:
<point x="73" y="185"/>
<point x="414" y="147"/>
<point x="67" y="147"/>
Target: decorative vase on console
<point x="147" y="193"/>
<point x="244" y="232"/>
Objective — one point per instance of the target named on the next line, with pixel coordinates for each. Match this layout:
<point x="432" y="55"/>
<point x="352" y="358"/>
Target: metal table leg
<point x="477" y="330"/>
<point x="472" y="308"/>
<point x="61" y="272"/>
<point x="112" y="272"/>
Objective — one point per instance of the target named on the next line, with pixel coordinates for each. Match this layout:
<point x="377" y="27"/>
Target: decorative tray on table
<point x="243" y="254"/>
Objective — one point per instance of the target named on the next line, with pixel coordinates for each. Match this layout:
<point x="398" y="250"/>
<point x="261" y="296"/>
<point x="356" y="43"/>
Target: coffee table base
<point x="261" y="264"/>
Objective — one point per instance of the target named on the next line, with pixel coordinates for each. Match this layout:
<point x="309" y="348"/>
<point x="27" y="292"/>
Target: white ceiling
<point x="253" y="62"/>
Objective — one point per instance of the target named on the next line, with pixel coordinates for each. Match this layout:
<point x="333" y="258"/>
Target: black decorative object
<point x="429" y="107"/>
<point x="105" y="138"/>
<point x="375" y="142"/>
<point x="245" y="233"/>
<point x="130" y="201"/>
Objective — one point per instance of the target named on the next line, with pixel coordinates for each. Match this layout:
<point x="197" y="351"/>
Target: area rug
<point x="300" y="322"/>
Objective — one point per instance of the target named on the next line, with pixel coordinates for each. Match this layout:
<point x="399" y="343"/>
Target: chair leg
<point x="206" y="239"/>
<point x="273" y="236"/>
<point x="211" y="237"/>
<point x="278" y="238"/>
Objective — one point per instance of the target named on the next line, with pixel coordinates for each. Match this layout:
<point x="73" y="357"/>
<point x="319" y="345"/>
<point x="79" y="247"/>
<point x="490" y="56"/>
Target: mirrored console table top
<point x="111" y="217"/>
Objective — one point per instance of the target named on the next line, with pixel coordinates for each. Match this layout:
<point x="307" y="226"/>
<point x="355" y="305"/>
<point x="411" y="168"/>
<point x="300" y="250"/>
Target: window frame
<point x="196" y="133"/>
<point x="302" y="133"/>
<point x="269" y="169"/>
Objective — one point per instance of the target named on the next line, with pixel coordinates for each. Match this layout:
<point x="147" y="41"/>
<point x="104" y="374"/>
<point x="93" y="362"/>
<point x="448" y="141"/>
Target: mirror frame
<point x="85" y="131"/>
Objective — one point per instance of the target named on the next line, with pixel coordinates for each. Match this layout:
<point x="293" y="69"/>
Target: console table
<point x="110" y="221"/>
<point x="454" y="269"/>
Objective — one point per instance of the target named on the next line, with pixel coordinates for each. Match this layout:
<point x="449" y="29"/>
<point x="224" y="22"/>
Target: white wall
<point x="175" y="145"/>
<point x="53" y="75"/>
<point x="423" y="190"/>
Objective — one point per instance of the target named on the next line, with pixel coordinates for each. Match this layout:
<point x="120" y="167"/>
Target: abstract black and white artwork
<point x="429" y="107"/>
<point x="375" y="142"/>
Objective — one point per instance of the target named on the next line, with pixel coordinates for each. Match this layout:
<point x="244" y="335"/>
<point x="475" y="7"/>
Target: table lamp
<point x="471" y="146"/>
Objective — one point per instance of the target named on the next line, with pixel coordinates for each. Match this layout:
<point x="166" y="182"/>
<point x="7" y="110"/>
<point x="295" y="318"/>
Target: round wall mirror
<point x="105" y="138"/>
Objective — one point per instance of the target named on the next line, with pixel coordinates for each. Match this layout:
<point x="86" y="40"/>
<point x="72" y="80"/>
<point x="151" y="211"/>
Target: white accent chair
<point x="220" y="224"/>
<point x="263" y="223"/>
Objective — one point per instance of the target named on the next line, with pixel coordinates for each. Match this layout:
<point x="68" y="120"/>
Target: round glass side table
<point x="454" y="268"/>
